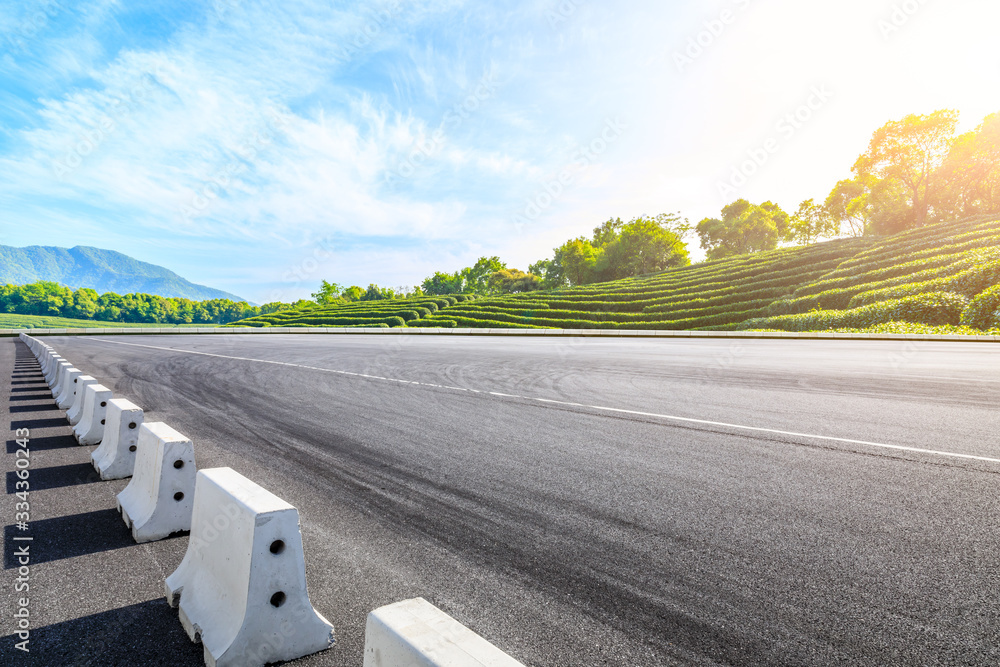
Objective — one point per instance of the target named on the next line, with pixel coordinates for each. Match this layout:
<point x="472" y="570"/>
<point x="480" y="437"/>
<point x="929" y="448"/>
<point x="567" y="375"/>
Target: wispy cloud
<point x="226" y="139"/>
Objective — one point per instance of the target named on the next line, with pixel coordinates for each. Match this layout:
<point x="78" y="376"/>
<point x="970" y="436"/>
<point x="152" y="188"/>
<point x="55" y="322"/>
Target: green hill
<point x="102" y="270"/>
<point x="942" y="275"/>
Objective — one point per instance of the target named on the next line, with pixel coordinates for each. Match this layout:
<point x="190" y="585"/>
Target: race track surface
<point x="575" y="501"/>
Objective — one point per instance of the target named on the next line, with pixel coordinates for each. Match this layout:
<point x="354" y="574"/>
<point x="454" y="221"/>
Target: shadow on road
<point x="148" y="633"/>
<point x="56" y="476"/>
<point x="70" y="536"/>
<point x="45" y="442"/>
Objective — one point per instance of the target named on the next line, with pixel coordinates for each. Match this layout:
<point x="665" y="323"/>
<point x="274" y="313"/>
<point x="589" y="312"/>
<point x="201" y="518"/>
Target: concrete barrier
<point x="415" y="633"/>
<point x="242" y="584"/>
<point x="90" y="430"/>
<point x="59" y="378"/>
<point x="159" y="499"/>
<point x="75" y="412"/>
<point x="68" y="391"/>
<point x="115" y="457"/>
<point x="47" y="364"/>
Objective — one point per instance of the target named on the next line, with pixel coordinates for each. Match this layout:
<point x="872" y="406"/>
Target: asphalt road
<point x="574" y="501"/>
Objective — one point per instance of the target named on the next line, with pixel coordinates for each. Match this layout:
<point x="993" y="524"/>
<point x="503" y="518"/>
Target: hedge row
<point x="933" y="308"/>
<point x="312" y="326"/>
<point x="332" y="322"/>
<point x="666" y="300"/>
<point x="472" y="323"/>
<point x="983" y="312"/>
<point x="905" y="271"/>
<point x="507" y="320"/>
<point x="620" y="317"/>
<point x="695" y="279"/>
<point x="985" y="239"/>
<point x="406" y="315"/>
<point x="968" y="283"/>
<point x="840" y="298"/>
<point x="925" y="238"/>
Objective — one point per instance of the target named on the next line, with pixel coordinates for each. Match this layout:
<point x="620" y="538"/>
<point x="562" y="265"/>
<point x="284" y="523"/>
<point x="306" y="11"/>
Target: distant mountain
<point x="102" y="270"/>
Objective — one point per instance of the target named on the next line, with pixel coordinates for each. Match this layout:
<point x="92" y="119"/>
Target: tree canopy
<point x="53" y="299"/>
<point x="617" y="250"/>
<point x="744" y="228"/>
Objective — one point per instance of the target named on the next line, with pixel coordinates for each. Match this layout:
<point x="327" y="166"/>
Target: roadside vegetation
<point x="52" y="300"/>
<point x="910" y="243"/>
<point x="13" y="321"/>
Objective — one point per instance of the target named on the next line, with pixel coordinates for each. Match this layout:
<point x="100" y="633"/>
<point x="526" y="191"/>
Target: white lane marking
<point x="689" y="420"/>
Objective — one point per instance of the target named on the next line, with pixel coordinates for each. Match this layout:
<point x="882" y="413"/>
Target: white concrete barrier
<point x="115" y="457"/>
<point x="67" y="392"/>
<point x="159" y="499"/>
<point x="75" y="412"/>
<point x="415" y="633"/>
<point x="242" y="583"/>
<point x="47" y="364"/>
<point x="59" y="377"/>
<point x="90" y="430"/>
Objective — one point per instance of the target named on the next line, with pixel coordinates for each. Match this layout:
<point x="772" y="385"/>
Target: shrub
<point x="933" y="308"/>
<point x="983" y="312"/>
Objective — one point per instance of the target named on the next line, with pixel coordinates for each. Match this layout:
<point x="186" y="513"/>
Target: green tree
<point x="376" y="293"/>
<point x="909" y="152"/>
<point x="577" y="260"/>
<point x="969" y="179"/>
<point x="443" y="283"/>
<point x="513" y="281"/>
<point x="327" y="294"/>
<point x="550" y="273"/>
<point x="642" y="246"/>
<point x="811" y="223"/>
<point x="849" y="205"/>
<point x="352" y="293"/>
<point x="476" y="278"/>
<point x="744" y="228"/>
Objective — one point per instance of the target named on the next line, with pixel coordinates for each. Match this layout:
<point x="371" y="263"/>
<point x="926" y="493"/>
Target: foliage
<point x="910" y="152"/>
<point x="512" y="281"/>
<point x="476" y="278"/>
<point x="617" y="250"/>
<point x="969" y="181"/>
<point x="327" y="293"/>
<point x="743" y="228"/>
<point x="811" y="223"/>
<point x="983" y="311"/>
<point x="933" y="308"/>
<point x="51" y="299"/>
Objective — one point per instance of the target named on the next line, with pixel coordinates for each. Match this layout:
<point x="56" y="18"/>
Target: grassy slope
<point x="931" y="279"/>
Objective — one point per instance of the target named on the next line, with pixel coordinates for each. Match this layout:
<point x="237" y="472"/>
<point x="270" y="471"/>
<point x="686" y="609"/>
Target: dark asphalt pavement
<point x="574" y="501"/>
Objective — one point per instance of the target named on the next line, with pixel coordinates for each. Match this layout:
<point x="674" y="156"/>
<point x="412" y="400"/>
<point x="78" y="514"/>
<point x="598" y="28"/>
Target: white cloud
<point x="297" y="112"/>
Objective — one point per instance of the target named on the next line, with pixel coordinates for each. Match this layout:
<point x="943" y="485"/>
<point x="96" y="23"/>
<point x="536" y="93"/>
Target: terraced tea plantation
<point x="388" y="313"/>
<point x="942" y="277"/>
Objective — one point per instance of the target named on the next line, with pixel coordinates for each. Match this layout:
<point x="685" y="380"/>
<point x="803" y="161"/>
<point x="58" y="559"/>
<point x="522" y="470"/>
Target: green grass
<point x="14" y="321"/>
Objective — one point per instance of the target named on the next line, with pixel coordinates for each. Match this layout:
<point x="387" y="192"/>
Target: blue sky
<point x="260" y="147"/>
